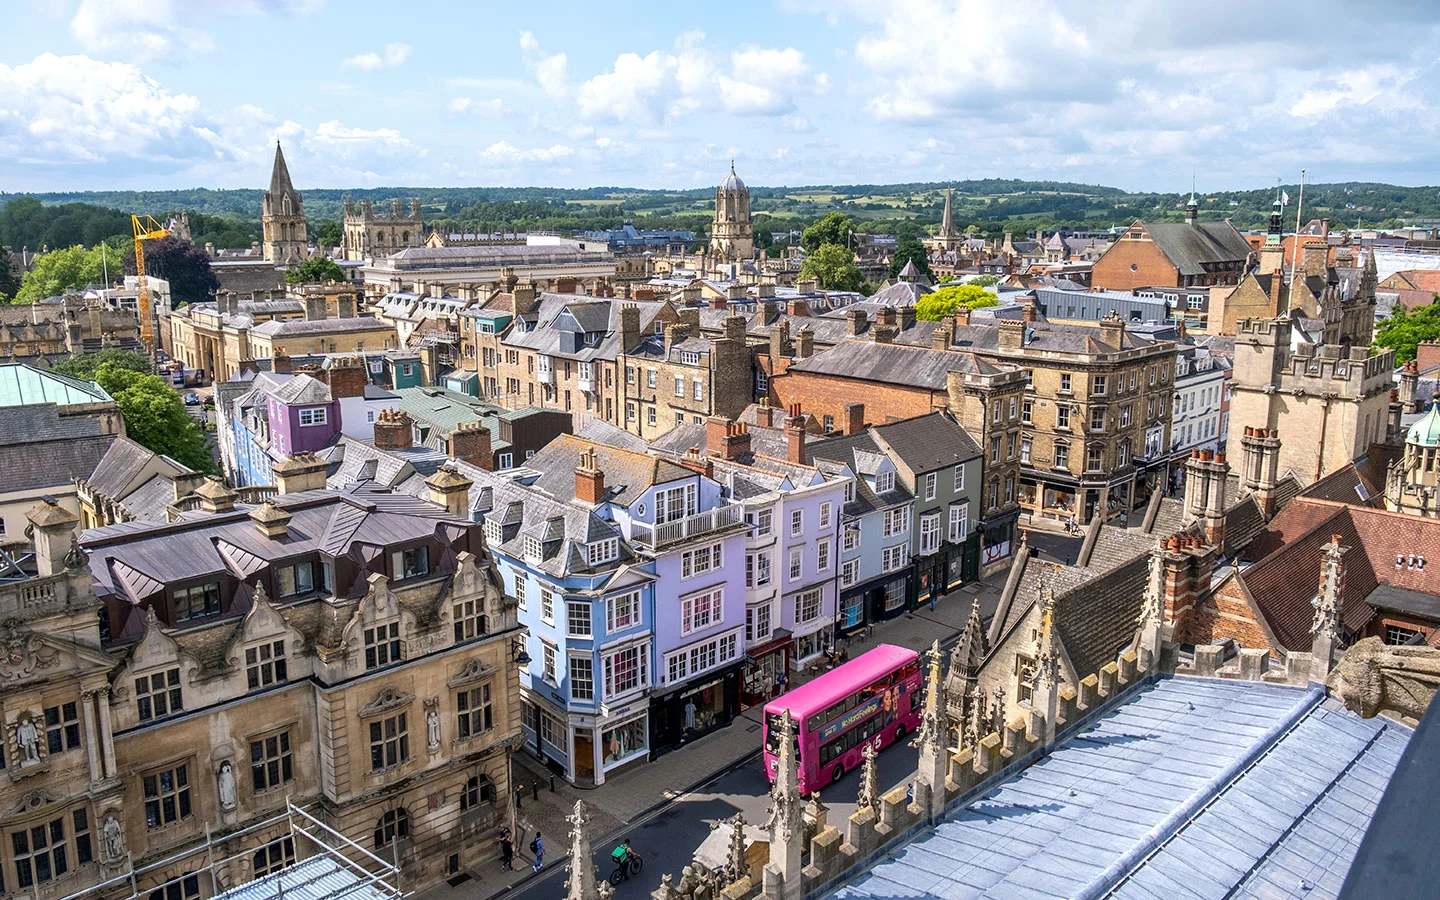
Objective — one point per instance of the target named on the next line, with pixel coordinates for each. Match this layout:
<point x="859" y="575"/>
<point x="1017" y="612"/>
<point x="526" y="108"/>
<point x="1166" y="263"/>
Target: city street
<point x="667" y="837"/>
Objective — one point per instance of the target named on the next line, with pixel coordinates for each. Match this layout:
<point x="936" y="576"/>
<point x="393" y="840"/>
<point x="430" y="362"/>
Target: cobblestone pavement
<point x="635" y="795"/>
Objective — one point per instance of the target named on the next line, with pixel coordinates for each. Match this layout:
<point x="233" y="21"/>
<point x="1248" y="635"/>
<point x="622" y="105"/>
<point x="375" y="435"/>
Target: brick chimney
<point x="805" y="343"/>
<point x="470" y="442"/>
<point x="779" y="342"/>
<point x="1012" y="335"/>
<point x="886" y="315"/>
<point x="943" y="336"/>
<point x="186" y="482"/>
<point x="523" y="296"/>
<point x="764" y="289"/>
<point x="795" y="436"/>
<point x="798" y="307"/>
<point x="1205" y="475"/>
<point x="765" y="413"/>
<point x="589" y="480"/>
<point x="854" y="418"/>
<point x="1409" y="390"/>
<point x="347" y="377"/>
<point x="393" y="430"/>
<point x="53" y="534"/>
<point x="280" y="362"/>
<point x="1261" y="466"/>
<point x="768" y="311"/>
<point x="629" y="327"/>
<point x="695" y="461"/>
<point x="1028" y="313"/>
<point x="882" y="333"/>
<point x="215" y="497"/>
<point x="907" y="317"/>
<point x="314" y="307"/>
<point x="962" y="317"/>
<point x="855" y="322"/>
<point x="450" y="490"/>
<point x="345" y="306"/>
<point x="301" y="472"/>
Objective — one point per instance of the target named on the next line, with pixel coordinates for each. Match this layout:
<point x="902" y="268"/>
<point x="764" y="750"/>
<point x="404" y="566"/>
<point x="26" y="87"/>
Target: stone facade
<point x="132" y="741"/>
<point x="368" y="234"/>
<point x="55" y="331"/>
<point x="681" y="378"/>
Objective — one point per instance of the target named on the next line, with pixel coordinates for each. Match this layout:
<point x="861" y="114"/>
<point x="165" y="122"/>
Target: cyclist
<point x="621" y="855"/>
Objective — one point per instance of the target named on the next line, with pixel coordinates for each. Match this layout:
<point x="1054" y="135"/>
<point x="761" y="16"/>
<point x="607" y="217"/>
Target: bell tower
<point x="282" y="217"/>
<point x="732" y="237"/>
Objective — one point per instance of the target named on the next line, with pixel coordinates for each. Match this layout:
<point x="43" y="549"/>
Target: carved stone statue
<point x="27" y="738"/>
<point x="114" y="837"/>
<point x="432" y="730"/>
<point x="225" y="783"/>
<point x="1373" y="677"/>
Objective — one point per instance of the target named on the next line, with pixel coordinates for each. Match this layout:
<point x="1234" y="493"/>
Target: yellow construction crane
<point x="146" y="229"/>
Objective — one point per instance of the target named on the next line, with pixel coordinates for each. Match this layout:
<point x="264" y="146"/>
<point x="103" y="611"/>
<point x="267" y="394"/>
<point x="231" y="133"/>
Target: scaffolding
<point x="325" y="872"/>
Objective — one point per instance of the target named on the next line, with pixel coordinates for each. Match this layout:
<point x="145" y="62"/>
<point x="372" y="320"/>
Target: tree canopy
<point x="833" y="267"/>
<point x="831" y="228"/>
<point x="328" y="234"/>
<point x="71" y="267"/>
<point x="9" y="283"/>
<point x="154" y="416"/>
<point x="1403" y="329"/>
<point x="911" y="251"/>
<point x="944" y="302"/>
<point x="318" y="269"/>
<point x="87" y="365"/>
<point x="180" y="263"/>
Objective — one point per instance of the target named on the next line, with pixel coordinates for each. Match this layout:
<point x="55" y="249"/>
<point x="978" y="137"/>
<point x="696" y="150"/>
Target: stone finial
<point x="785" y="821"/>
<point x="817" y="810"/>
<point x="973" y="722"/>
<point x="1325" y="626"/>
<point x="735" y="860"/>
<point x="934" y="759"/>
<point x="869" y="781"/>
<point x="1150" y="631"/>
<point x="580" y="883"/>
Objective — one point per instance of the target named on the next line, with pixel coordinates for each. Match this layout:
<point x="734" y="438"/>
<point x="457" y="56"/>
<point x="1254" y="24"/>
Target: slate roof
<point x="927" y="443"/>
<point x="44" y="460"/>
<point x="302" y="389"/>
<point x="1190" y="247"/>
<point x="1345" y="485"/>
<point x="869" y="361"/>
<point x="284" y="327"/>
<point x="444" y="410"/>
<point x="544" y="337"/>
<point x="627" y="473"/>
<point x="353" y="461"/>
<point x="117" y="469"/>
<point x="1191" y="788"/>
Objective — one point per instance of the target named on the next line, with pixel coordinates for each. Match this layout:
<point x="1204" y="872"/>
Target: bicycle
<point x="630" y="868"/>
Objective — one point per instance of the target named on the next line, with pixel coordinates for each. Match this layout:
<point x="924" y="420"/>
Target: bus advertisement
<point x="873" y="699"/>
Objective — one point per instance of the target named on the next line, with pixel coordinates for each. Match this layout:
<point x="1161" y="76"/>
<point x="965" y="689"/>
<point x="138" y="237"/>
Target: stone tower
<point x="1332" y="399"/>
<point x="282" y="217"/>
<point x="369" y="235"/>
<point x="733" y="237"/>
<point x="1413" y="481"/>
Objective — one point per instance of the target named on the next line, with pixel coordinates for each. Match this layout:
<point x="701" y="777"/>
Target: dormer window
<point x="690" y="357"/>
<point x="197" y="601"/>
<point x="301" y="578"/>
<point x="603" y="551"/>
<point x="411" y="563"/>
<point x="534" y="550"/>
<point x="313" y="416"/>
<point x="492" y="531"/>
<point x="884" y="482"/>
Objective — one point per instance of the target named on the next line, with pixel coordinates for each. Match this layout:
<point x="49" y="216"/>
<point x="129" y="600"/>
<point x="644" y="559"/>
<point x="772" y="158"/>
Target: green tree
<point x="87" y="365"/>
<point x="59" y="270"/>
<point x="154" y="416"/>
<point x="328" y="234"/>
<point x="911" y="251"/>
<point x="831" y="228"/>
<point x="833" y="267"/>
<point x="944" y="302"/>
<point x="1403" y="329"/>
<point x="984" y="280"/>
<point x="317" y="269"/>
<point x="9" y="284"/>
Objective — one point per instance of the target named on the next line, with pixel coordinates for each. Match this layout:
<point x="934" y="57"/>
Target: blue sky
<point x="175" y="94"/>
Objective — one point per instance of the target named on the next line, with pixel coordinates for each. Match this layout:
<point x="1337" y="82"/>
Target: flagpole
<point x="1299" y="205"/>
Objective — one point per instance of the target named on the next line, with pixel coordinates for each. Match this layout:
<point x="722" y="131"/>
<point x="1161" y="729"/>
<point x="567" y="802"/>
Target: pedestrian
<point x="507" y="850"/>
<point x="932" y="601"/>
<point x="910" y="793"/>
<point x="537" y="847"/>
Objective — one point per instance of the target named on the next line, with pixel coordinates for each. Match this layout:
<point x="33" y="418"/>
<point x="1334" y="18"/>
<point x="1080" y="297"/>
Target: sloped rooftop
<point x="1194" y="788"/>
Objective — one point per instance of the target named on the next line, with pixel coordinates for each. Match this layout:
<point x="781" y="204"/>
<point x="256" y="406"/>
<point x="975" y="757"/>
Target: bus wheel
<point x="837" y="773"/>
<point x="899" y="733"/>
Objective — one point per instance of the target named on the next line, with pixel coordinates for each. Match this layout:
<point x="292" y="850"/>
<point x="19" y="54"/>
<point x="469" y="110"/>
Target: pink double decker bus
<point x="872" y="699"/>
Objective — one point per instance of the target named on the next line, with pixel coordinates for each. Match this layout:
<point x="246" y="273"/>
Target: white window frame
<point x="547" y="605"/>
<point x="895" y="557"/>
<point x="712" y="601"/>
<point x="572" y="607"/>
<point x="797" y="522"/>
<point x="797" y="563"/>
<point x="849" y="572"/>
<point x="825" y="514"/>
<point x="884" y="482"/>
<point x="808" y="606"/>
<point x="959" y="477"/>
<point x="628" y="604"/>
<point x="931" y="485"/>
<point x="317" y="415"/>
<point x="822" y="556"/>
<point x="959" y="521"/>
<point x="930" y="532"/>
<point x="641" y="654"/>
<point x="701" y="560"/>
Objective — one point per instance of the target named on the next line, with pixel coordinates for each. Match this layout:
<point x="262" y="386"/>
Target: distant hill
<point x="992" y="205"/>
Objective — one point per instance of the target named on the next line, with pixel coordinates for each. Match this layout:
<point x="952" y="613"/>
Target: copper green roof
<point x="22" y="385"/>
<point x="1426" y="431"/>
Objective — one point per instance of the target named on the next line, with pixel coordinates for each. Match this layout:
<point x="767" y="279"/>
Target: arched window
<point x="479" y="789"/>
<point x="394" y="825"/>
<point x="404" y="237"/>
<point x="273" y="857"/>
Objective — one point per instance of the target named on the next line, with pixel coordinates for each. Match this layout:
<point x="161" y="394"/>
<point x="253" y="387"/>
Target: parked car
<point x="192" y="398"/>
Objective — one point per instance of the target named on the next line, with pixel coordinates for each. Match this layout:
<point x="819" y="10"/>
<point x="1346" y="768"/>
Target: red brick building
<point x="1173" y="254"/>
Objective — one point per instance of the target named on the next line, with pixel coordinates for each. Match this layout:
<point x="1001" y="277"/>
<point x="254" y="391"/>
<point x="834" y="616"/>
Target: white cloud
<point x="333" y="137"/>
<point x="394" y="55"/>
<point x="468" y="106"/>
<point x="78" y="109"/>
<point x="137" y="30"/>
<point x="663" y="84"/>
<point x="505" y="153"/>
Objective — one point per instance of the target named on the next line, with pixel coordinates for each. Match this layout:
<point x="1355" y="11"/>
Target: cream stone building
<point x="732" y="237"/>
<point x="175" y="683"/>
<point x="368" y="234"/>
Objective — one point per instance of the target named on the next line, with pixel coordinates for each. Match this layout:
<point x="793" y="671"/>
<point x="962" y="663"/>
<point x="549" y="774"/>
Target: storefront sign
<point x="993" y="552"/>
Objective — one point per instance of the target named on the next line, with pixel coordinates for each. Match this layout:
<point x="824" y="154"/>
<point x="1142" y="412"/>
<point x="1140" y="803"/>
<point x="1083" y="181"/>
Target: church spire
<point x="280" y="175"/>
<point x="947" y="219"/>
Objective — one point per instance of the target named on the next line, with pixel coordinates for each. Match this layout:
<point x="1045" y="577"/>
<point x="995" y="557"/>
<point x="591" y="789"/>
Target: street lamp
<point x="517" y="651"/>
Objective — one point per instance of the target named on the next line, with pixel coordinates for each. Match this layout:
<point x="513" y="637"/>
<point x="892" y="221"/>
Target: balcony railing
<point x="717" y="519"/>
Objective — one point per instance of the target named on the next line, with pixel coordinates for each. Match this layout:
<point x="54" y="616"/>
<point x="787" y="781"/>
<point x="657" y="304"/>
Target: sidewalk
<point x="628" y="797"/>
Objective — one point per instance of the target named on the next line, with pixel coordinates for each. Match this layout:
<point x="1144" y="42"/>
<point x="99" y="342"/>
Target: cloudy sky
<point x="98" y="94"/>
